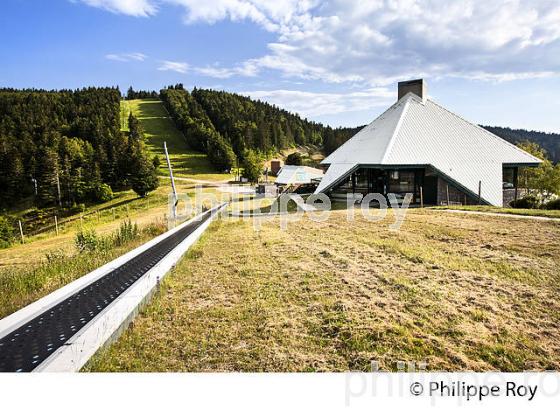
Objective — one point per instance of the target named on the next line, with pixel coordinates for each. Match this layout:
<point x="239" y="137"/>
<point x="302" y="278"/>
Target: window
<point x="403" y="183"/>
<point x="362" y="178"/>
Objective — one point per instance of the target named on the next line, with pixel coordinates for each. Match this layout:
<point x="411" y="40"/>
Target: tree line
<point x="66" y="147"/>
<point x="132" y="94"/>
<point x="548" y="141"/>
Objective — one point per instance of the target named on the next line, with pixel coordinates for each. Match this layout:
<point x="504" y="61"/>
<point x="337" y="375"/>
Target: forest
<point x="550" y="142"/>
<point x="66" y="147"/>
<point x="226" y="125"/>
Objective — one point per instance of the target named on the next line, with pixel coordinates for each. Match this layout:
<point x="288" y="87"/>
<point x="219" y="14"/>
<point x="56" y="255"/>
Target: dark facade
<point x="426" y="185"/>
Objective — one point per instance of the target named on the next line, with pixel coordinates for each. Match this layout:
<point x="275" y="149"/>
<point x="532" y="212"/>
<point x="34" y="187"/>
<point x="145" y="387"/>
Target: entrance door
<point x="430" y="190"/>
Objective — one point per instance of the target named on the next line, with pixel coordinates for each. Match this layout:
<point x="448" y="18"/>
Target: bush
<point x="78" y="208"/>
<point x="127" y="232"/>
<point x="554" y="204"/>
<point x="87" y="241"/>
<point x="6" y="232"/>
<point x="155" y="228"/>
<point x="527" y="202"/>
<point x="101" y="193"/>
<point x="294" y="159"/>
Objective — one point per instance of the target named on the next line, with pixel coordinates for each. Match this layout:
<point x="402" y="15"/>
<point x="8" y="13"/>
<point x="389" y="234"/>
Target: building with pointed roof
<point x="419" y="147"/>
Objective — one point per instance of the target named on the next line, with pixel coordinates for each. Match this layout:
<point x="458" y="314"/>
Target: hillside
<point x="232" y="122"/>
<point x="549" y="141"/>
<point x="225" y="125"/>
<point x="159" y="128"/>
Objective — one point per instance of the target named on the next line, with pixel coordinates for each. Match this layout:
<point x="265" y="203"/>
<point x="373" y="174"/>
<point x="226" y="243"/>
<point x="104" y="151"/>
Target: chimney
<point x="418" y="87"/>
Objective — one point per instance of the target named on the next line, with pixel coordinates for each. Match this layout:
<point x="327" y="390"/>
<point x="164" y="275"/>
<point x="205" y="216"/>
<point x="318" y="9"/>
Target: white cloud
<point x="137" y="8"/>
<point x="126" y="57"/>
<point x="311" y="104"/>
<point x="247" y="69"/>
<point x="502" y="77"/>
<point x="376" y="42"/>
<point x="271" y="15"/>
<point x="177" y="66"/>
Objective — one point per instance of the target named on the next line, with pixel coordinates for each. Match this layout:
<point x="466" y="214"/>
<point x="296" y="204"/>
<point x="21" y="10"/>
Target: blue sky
<point x="336" y="62"/>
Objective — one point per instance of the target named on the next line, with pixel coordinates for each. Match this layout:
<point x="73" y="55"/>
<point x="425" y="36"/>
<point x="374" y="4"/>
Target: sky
<point x="338" y="62"/>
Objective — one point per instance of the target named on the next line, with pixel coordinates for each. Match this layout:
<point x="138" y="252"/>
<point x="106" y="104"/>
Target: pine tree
<point x="252" y="165"/>
<point x="144" y="179"/>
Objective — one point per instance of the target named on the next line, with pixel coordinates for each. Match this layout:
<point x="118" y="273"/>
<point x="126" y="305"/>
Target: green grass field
<point x="159" y="127"/>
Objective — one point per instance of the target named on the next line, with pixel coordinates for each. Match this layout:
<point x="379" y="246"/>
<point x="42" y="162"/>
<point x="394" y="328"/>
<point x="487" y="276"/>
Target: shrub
<point x="294" y="158"/>
<point x="101" y="193"/>
<point x="554" y="204"/>
<point x="77" y="208"/>
<point x="55" y="255"/>
<point x="127" y="232"/>
<point x="527" y="202"/>
<point x="87" y="241"/>
<point x="155" y="228"/>
<point x="6" y="232"/>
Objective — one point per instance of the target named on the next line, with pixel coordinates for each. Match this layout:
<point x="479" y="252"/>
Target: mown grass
<point x="459" y="292"/>
<point x="550" y="213"/>
<point x="159" y="128"/>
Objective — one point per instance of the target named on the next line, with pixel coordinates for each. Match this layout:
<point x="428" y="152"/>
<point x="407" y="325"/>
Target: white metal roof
<point x="297" y="174"/>
<point x="414" y="132"/>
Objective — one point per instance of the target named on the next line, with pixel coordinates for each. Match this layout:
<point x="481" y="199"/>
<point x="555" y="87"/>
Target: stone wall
<point x="509" y="195"/>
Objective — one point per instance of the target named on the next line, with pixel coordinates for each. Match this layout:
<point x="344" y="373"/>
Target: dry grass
<point x="549" y="213"/>
<point x="459" y="292"/>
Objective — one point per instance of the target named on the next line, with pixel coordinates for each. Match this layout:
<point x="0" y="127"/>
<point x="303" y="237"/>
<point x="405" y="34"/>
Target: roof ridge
<point x="402" y="100"/>
<point x="485" y="130"/>
<point x="389" y="146"/>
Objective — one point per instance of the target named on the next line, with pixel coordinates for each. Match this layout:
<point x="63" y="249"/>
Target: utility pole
<point x="58" y="190"/>
<point x="175" y="200"/>
<point x="21" y="232"/>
